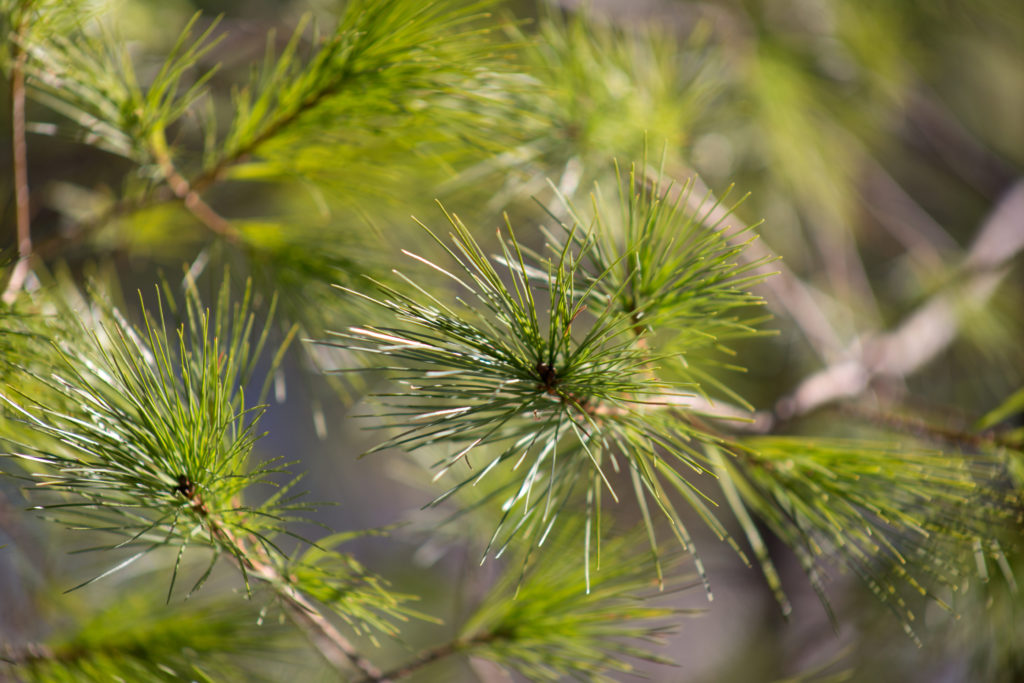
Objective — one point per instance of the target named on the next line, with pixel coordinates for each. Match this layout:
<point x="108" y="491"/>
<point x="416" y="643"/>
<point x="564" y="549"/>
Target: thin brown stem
<point x="334" y="647"/>
<point x="430" y="656"/>
<point x="19" y="161"/>
<point x="190" y="191"/>
<point x="177" y="188"/>
<point x="930" y="329"/>
<point x="184" y="191"/>
<point x="931" y="432"/>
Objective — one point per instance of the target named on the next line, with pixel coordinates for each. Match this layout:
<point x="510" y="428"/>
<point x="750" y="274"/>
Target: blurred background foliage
<point x="881" y="142"/>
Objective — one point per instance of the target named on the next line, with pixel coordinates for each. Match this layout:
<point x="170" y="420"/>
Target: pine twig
<point x="926" y="332"/>
<point x="334" y="647"/>
<point x="177" y="188"/>
<point x="184" y="191"/>
<point x="426" y="657"/>
<point x="434" y="654"/>
<point x="19" y="160"/>
<point x="936" y="433"/>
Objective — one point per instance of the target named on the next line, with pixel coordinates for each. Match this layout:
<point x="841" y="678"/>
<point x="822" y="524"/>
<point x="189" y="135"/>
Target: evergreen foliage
<point x="596" y="391"/>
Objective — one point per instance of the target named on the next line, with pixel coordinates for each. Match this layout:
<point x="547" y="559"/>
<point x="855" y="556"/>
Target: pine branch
<point x="543" y="620"/>
<point x="928" y="330"/>
<point x="149" y="442"/>
<point x="380" y="55"/>
<point x="87" y="80"/>
<point x="377" y="69"/>
<point x="574" y="393"/>
<point x="572" y="366"/>
<point x="328" y="640"/>
<point x="908" y="521"/>
<point x="424" y="659"/>
<point x="133" y="638"/>
<point x="546" y="622"/>
<point x="497" y="383"/>
<point x="184" y="191"/>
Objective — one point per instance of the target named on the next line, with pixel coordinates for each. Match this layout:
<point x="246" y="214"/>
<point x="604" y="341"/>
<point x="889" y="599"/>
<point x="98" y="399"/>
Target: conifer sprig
<point x="908" y="521"/>
<point x="675" y="269"/>
<point x="557" y="626"/>
<point x="146" y="434"/>
<point x="545" y="370"/>
<point x="137" y="638"/>
<point x="152" y="436"/>
<point x="371" y="73"/>
<point x="90" y="78"/>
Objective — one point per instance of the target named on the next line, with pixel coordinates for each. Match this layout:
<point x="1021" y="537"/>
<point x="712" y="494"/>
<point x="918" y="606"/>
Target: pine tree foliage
<point x="565" y="409"/>
<point x="587" y="360"/>
<point x="93" y="84"/>
<point x="136" y="638"/>
<point x="394" y="71"/>
<point x="164" y="421"/>
<point x="598" y="92"/>
<point x="410" y="80"/>
<point x="901" y="516"/>
<point x="554" y="626"/>
<point x="153" y="444"/>
<point x="564" y="393"/>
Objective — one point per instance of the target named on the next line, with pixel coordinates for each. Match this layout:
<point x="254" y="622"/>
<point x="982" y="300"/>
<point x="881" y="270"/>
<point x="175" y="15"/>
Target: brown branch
<point x="930" y="329"/>
<point x="900" y="352"/>
<point x="329" y="642"/>
<point x="19" y="162"/>
<point x="190" y="191"/>
<point x="334" y="647"/>
<point x="430" y="656"/>
<point x="935" y="433"/>
<point x="184" y="191"/>
<point x="187" y="191"/>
